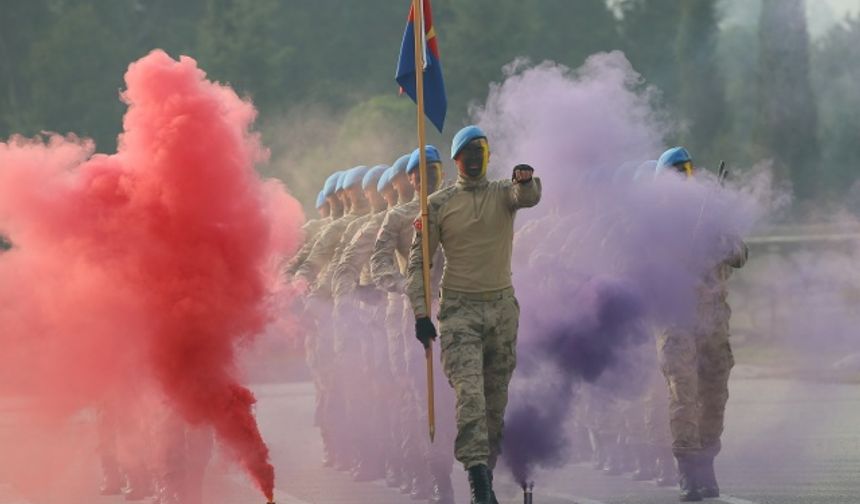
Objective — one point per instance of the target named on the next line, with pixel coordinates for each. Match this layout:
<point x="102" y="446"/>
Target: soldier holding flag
<point x="473" y="220"/>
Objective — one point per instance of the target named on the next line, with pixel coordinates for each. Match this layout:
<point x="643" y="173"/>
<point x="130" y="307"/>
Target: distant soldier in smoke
<point x="318" y="344"/>
<point x="646" y="417"/>
<point x="352" y="309"/>
<point x="316" y="273"/>
<point x="388" y="267"/>
<point x="428" y="468"/>
<point x="311" y="230"/>
<point x="119" y="434"/>
<point x="473" y="221"/>
<point x="181" y="461"/>
<point x="697" y="361"/>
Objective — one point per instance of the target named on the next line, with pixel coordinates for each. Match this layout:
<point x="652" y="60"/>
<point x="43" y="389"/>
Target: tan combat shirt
<point x="310" y="230"/>
<point x="354" y="266"/>
<point x="324" y="249"/>
<point x="473" y="220"/>
<point x="391" y="250"/>
<point x="324" y="279"/>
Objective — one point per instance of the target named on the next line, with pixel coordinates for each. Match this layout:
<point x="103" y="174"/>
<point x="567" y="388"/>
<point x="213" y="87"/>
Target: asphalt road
<point x="786" y="442"/>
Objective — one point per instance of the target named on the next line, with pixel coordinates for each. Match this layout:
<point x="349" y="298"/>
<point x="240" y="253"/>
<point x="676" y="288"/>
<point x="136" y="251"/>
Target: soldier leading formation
<point x="360" y="276"/>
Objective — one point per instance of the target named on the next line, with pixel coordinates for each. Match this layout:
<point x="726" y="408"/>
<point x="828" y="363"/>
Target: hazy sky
<point x="821" y="13"/>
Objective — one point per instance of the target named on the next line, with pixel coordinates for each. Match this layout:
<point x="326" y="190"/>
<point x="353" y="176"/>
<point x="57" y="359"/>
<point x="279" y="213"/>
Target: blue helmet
<point x="465" y="136"/>
<point x="331" y="183"/>
<point x="399" y="166"/>
<point x="353" y="177"/>
<point x="673" y="156"/>
<point x="625" y="172"/>
<point x="645" y="170"/>
<point x="385" y="179"/>
<point x="371" y="178"/>
<point x="320" y="199"/>
<point x="432" y="154"/>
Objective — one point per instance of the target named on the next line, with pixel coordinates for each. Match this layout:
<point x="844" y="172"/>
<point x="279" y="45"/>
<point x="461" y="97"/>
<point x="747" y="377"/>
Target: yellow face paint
<point x="436" y="169"/>
<point x="686" y="167"/>
<point x="486" y="146"/>
<point x="473" y="158"/>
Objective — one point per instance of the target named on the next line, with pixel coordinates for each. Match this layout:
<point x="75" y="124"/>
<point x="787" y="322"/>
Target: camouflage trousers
<point x="478" y="336"/>
<point x="696" y="365"/>
<point x="406" y="419"/>
<point x="646" y="417"/>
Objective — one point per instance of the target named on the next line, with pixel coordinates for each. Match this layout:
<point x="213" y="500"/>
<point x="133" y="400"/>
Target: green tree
<point x="569" y="32"/>
<point x="476" y="39"/>
<point x="75" y="73"/>
<point x="788" y="118"/>
<point x="649" y="32"/>
<point x="836" y="64"/>
<point x="22" y="22"/>
<point x="701" y="100"/>
<point x="738" y="63"/>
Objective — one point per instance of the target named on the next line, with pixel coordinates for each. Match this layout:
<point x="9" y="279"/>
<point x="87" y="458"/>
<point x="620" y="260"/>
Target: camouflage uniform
<point x="353" y="349"/>
<point x="697" y="363"/>
<point x="647" y="426"/>
<point x="331" y="347"/>
<point x="388" y="267"/>
<point x="310" y="230"/>
<point x="478" y="316"/>
<point x="311" y="233"/>
<point x="320" y="340"/>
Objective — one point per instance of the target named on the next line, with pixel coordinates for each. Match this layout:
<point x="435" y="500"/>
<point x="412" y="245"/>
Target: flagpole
<point x="418" y="29"/>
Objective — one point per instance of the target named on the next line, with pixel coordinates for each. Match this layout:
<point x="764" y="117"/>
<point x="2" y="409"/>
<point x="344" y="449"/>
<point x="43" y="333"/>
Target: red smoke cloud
<point x="147" y="267"/>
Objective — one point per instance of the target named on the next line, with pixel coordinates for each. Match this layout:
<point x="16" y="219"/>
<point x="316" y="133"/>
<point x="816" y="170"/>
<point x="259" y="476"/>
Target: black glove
<point x="525" y="168"/>
<point x="425" y="331"/>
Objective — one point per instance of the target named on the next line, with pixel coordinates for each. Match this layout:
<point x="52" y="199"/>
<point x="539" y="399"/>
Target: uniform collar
<point x="360" y="211"/>
<point x="472" y="184"/>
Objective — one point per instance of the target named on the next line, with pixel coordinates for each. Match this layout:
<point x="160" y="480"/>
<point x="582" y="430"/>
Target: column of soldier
<point x="369" y="373"/>
<point x="367" y="369"/>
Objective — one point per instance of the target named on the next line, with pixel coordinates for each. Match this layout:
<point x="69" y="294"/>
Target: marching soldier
<point x="473" y="220"/>
<point x="696" y="363"/>
<point x="318" y="344"/>
<point x="310" y="231"/>
<point x="426" y="470"/>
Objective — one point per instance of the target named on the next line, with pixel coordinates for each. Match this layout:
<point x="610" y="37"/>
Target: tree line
<point x="741" y="92"/>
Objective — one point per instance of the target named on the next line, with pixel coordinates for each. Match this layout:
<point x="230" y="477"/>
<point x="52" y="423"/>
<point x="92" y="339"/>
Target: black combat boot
<point x="394" y="474"/>
<point x="111" y="482"/>
<point x="667" y="473"/>
<point x="688" y="470"/>
<point x="369" y="469"/>
<point x="493" y="499"/>
<point x="422" y="485"/>
<point x="614" y="456"/>
<point x="443" y="491"/>
<point x="646" y="462"/>
<point x="707" y="479"/>
<point x="479" y="482"/>
<point x="597" y="449"/>
<point x="328" y="453"/>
